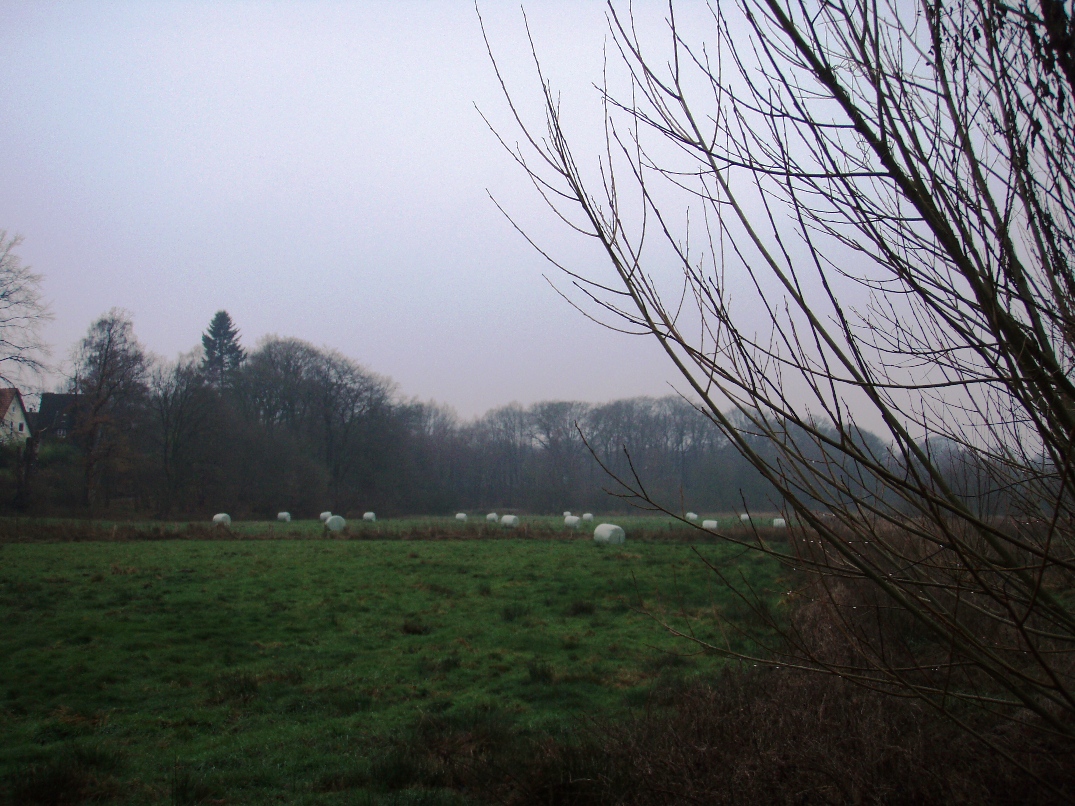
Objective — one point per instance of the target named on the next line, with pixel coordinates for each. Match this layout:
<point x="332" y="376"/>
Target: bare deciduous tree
<point x="110" y="379"/>
<point x="181" y="401"/>
<point x="336" y="404"/>
<point x="870" y="212"/>
<point x="22" y="312"/>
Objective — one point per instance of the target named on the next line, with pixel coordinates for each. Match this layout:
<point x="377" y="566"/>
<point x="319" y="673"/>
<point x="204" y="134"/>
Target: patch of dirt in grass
<point x="415" y="627"/>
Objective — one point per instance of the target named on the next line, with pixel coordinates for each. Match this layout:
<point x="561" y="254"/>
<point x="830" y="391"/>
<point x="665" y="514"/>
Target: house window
<point x="20" y="426"/>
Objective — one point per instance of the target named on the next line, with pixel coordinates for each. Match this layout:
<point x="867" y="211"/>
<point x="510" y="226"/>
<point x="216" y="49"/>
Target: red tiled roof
<point x="6" y="396"/>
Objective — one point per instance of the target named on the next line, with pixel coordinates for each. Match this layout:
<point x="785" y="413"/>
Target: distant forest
<point x="290" y="426"/>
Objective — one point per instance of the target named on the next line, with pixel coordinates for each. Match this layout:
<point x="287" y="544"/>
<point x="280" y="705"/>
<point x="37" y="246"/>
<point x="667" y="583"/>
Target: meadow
<point x="139" y="667"/>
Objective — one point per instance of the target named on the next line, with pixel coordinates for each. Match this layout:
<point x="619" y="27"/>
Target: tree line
<point x="291" y="426"/>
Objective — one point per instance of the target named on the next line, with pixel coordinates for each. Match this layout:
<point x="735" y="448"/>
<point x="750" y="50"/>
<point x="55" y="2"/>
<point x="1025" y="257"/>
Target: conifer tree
<point x="223" y="353"/>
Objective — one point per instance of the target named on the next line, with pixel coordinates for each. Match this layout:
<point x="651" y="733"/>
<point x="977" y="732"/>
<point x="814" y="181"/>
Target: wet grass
<point x="241" y="670"/>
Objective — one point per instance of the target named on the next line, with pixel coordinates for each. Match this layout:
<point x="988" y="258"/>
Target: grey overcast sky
<point x="317" y="169"/>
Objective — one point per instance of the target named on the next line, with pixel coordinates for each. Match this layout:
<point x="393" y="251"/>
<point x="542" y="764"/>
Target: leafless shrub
<point x="784" y="736"/>
<point x="755" y="735"/>
<point x="870" y="211"/>
<point x="22" y="313"/>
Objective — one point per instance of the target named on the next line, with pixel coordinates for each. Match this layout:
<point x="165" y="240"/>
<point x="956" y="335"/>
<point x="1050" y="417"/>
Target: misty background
<point x="319" y="170"/>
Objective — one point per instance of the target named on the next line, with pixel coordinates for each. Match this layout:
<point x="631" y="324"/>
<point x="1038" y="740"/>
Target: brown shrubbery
<point x="784" y="736"/>
<point x="773" y="736"/>
<point x="32" y="530"/>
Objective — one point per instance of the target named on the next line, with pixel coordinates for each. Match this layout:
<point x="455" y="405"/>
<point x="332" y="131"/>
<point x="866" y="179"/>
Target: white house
<point x="13" y="422"/>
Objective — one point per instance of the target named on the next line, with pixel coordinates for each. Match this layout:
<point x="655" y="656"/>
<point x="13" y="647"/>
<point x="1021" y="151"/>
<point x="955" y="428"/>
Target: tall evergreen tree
<point x="223" y="353"/>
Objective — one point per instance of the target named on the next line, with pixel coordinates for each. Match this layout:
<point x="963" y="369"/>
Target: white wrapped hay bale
<point x="335" y="523"/>
<point x="691" y="516"/>
<point x="609" y="534"/>
<point x="510" y="521"/>
<point x="572" y="521"/>
<point x="492" y="517"/>
<point x="567" y="513"/>
<point x="587" y="517"/>
<point x="222" y="519"/>
<point x="324" y="516"/>
<point x="284" y="517"/>
<point x="460" y="516"/>
<point x="369" y="516"/>
<point x="780" y="523"/>
<point x="710" y="525"/>
<point x="744" y="518"/>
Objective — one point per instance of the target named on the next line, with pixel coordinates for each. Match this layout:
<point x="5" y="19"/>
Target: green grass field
<point x="252" y="671"/>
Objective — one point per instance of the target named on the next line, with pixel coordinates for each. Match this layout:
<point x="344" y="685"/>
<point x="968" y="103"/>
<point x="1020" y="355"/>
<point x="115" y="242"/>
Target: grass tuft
<point x="540" y="671"/>
<point x="581" y="607"/>
<point x="514" y="611"/>
<point x="77" y="773"/>
<point x="233" y="687"/>
<point x="187" y="787"/>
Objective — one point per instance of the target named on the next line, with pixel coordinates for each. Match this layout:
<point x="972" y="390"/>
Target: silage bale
<point x="567" y="513"/>
<point x="460" y="516"/>
<point x="744" y="518"/>
<point x="335" y="523"/>
<point x="492" y="517"/>
<point x="283" y="516"/>
<point x="369" y="516"/>
<point x="510" y="521"/>
<point x="608" y="534"/>
<point x="572" y="521"/>
<point x="324" y="516"/>
<point x="691" y="516"/>
<point x="587" y="516"/>
<point x="780" y="523"/>
<point x="222" y="519"/>
<point x="710" y="525"/>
